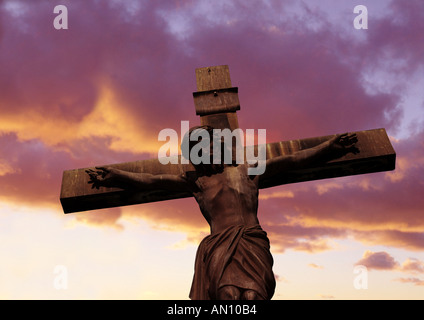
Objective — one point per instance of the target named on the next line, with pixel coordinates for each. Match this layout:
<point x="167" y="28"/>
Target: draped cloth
<point x="238" y="256"/>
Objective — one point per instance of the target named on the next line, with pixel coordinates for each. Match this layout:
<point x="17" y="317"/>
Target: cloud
<point x="413" y="265"/>
<point x="315" y="266"/>
<point x="280" y="278"/>
<point x="5" y="168"/>
<point x="395" y="35"/>
<point x="302" y="238"/>
<point x="378" y="261"/>
<point x="402" y="239"/>
<point x="415" y="281"/>
<point x="64" y="86"/>
<point x="384" y="261"/>
<point x="278" y="194"/>
<point x="107" y="217"/>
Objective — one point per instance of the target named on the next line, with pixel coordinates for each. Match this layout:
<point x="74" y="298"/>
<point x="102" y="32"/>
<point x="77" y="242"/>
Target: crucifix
<point x="234" y="261"/>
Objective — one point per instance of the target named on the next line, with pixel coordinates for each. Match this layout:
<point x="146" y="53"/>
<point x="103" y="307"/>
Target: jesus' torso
<point x="228" y="198"/>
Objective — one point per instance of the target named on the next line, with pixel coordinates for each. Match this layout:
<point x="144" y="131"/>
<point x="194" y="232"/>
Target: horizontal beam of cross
<point x="376" y="155"/>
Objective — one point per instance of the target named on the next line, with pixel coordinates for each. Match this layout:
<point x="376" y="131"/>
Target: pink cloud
<point x="413" y="280"/>
<point x="413" y="265"/>
<point x="400" y="34"/>
<point x="378" y="261"/>
<point x="384" y="261"/>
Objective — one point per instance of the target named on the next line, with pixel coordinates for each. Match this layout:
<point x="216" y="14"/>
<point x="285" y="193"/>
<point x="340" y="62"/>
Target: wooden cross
<point x="216" y="103"/>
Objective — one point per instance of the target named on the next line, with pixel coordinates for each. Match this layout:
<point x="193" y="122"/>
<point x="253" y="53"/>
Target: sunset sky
<point x="100" y="92"/>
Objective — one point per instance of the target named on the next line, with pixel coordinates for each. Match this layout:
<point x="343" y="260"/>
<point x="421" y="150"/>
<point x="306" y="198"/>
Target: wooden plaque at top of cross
<point x="216" y="102"/>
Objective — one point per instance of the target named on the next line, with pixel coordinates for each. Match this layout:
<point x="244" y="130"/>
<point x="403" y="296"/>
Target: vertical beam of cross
<point x="216" y="101"/>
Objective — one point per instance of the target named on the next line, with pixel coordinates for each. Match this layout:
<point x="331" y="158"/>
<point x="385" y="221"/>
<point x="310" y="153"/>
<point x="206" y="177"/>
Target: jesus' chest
<point x="233" y="182"/>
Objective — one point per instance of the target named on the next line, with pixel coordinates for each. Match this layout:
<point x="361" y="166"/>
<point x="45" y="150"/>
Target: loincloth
<point x="238" y="256"/>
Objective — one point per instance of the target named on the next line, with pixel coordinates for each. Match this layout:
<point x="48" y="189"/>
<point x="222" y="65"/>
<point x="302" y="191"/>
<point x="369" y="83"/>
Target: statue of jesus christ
<point x="234" y="261"/>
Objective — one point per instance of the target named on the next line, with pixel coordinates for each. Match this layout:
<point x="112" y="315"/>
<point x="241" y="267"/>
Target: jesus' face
<point x="206" y="149"/>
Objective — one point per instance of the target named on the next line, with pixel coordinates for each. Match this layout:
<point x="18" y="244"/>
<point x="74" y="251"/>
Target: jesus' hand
<point x="102" y="177"/>
<point x="344" y="143"/>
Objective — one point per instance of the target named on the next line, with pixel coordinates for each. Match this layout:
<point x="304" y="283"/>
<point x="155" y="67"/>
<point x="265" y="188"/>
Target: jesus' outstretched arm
<point x="112" y="177"/>
<point x="333" y="148"/>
